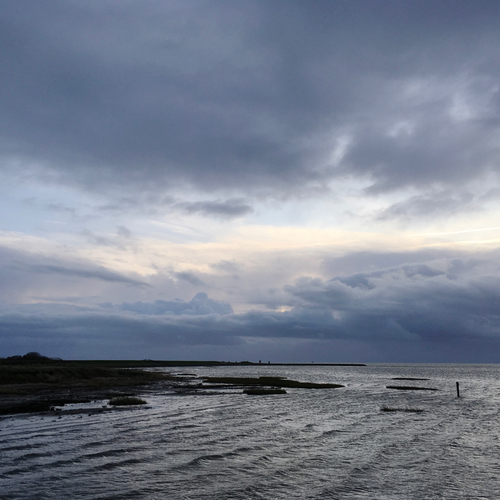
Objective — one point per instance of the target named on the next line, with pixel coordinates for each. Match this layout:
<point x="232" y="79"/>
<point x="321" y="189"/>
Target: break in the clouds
<point x="281" y="176"/>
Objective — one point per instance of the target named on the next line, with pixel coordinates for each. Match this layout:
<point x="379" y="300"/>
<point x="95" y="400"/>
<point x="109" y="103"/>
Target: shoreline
<point x="36" y="384"/>
<point x="36" y="388"/>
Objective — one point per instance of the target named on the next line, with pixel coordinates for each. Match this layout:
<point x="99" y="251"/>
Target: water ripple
<point x="304" y="445"/>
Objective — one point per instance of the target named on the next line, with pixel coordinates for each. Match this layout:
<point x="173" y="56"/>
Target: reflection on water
<point x="307" y="444"/>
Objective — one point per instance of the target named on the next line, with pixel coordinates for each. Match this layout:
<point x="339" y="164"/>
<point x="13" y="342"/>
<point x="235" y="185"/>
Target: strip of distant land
<point x="146" y="363"/>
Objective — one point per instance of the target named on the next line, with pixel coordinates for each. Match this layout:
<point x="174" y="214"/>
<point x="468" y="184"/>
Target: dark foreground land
<point x="35" y="383"/>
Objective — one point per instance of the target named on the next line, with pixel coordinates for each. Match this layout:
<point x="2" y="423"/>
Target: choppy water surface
<point x="307" y="444"/>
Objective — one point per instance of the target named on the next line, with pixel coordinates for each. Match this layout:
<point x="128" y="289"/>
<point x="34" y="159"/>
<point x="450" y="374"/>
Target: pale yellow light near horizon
<point x="251" y="243"/>
<point x="460" y="232"/>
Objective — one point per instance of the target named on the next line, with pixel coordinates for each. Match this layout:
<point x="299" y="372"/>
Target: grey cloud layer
<point x="250" y="96"/>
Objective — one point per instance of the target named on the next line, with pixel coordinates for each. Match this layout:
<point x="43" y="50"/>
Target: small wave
<point x="120" y="463"/>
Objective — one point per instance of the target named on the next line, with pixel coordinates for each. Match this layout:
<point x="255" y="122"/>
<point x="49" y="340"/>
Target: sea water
<point x="306" y="444"/>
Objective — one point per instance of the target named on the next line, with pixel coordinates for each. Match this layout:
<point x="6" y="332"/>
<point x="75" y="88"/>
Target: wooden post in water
<point x="458" y="390"/>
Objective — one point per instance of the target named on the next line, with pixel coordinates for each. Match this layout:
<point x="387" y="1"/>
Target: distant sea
<point x="307" y="444"/>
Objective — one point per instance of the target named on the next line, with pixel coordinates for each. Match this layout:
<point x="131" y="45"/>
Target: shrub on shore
<point x="71" y="374"/>
<point x="126" y="401"/>
<point x="408" y="378"/>
<point x="410" y="388"/>
<point x="255" y="392"/>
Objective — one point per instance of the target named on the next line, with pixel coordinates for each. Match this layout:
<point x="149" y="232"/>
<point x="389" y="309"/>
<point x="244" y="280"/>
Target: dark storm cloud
<point x="437" y="151"/>
<point x="439" y="301"/>
<point x="249" y="95"/>
<point x="86" y="328"/>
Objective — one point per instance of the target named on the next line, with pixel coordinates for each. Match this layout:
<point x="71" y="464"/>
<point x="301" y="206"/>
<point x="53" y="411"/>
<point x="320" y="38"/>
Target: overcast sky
<point x="281" y="180"/>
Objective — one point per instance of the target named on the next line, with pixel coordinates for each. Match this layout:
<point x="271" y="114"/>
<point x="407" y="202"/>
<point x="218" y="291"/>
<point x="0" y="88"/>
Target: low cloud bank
<point x="442" y="310"/>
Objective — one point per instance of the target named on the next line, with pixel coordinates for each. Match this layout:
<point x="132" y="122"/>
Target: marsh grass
<point x="407" y="410"/>
<point x="36" y="387"/>
<point x="25" y="377"/>
<point x="270" y="381"/>
<point x="410" y="388"/>
<point x="408" y="378"/>
<point x="126" y="401"/>
<point x="258" y="392"/>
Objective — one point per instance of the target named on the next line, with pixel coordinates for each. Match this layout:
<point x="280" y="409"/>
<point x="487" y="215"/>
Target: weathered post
<point x="458" y="390"/>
